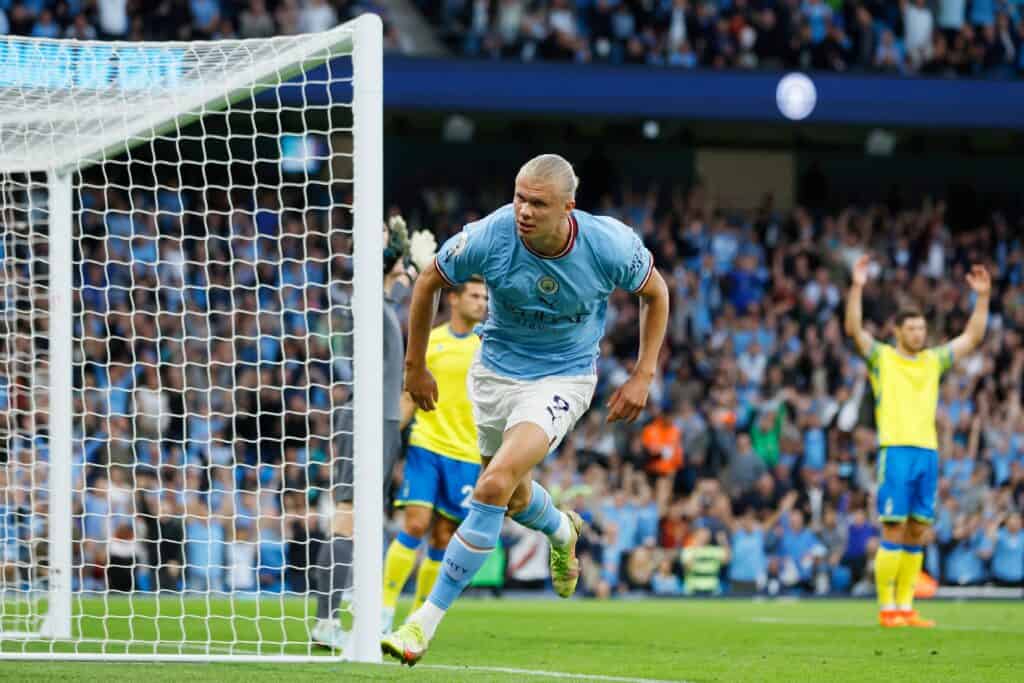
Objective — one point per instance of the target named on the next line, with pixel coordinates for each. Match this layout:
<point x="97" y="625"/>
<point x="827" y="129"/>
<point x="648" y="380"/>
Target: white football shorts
<point x="552" y="403"/>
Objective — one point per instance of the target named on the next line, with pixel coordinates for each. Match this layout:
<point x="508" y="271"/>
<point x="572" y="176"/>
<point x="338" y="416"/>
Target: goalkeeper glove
<point x="422" y="249"/>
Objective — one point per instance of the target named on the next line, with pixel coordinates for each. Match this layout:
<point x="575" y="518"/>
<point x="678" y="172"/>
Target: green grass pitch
<point x="686" y="640"/>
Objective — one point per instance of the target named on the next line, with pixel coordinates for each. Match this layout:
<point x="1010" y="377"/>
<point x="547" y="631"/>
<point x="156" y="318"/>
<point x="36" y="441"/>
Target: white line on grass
<point x="546" y="674"/>
<point x="870" y="624"/>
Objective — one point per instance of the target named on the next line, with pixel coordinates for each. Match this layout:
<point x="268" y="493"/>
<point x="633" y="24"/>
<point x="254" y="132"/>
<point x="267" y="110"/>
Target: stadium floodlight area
<point x="190" y="266"/>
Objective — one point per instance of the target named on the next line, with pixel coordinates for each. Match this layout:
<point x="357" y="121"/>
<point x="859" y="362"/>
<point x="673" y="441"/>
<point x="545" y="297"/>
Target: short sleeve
<point x="632" y="263"/>
<point x="944" y="354"/>
<point x="874" y="355"/>
<point x="465" y="254"/>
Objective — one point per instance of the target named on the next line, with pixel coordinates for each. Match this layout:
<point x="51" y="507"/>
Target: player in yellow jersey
<point x="905" y="379"/>
<point x="443" y="459"/>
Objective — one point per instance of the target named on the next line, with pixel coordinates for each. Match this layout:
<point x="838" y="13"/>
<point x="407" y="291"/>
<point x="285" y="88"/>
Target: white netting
<point x="24" y="371"/>
<point x="212" y="337"/>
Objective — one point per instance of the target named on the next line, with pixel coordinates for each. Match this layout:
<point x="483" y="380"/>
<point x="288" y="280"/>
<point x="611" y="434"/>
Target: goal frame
<point x="361" y="38"/>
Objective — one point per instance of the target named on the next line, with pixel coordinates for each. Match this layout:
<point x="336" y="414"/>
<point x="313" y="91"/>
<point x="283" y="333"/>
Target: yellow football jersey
<point x="907" y="394"/>
<point x="449" y="429"/>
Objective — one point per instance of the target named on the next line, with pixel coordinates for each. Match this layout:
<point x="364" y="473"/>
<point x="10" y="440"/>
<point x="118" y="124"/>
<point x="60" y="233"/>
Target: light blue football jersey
<point x="547" y="313"/>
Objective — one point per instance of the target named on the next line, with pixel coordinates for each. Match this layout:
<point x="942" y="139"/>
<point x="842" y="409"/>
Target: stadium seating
<point x="933" y="38"/>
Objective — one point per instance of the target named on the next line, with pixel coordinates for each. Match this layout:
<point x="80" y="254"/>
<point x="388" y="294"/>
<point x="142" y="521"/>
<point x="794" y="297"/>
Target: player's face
<point x="540" y="207"/>
<point x="471" y="304"/>
<point x="912" y="334"/>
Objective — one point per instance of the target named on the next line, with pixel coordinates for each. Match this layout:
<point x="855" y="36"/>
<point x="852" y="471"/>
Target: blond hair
<point x="555" y="169"/>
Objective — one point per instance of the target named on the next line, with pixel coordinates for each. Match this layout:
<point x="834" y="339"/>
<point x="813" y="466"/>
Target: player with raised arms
<point x="443" y="458"/>
<point x="550" y="269"/>
<point x="905" y="379"/>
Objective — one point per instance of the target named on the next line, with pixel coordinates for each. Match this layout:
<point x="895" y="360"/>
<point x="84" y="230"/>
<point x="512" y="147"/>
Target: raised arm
<point x="981" y="282"/>
<point x="629" y="400"/>
<point x="419" y="383"/>
<point x="854" y="315"/>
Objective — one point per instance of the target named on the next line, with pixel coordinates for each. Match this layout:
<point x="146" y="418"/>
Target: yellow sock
<point x="887" y="567"/>
<point x="911" y="560"/>
<point x="430" y="567"/>
<point x="398" y="564"/>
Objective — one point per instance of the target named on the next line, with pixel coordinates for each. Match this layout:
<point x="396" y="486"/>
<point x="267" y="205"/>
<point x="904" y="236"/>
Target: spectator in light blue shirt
<point x="621" y="521"/>
<point x="983" y="12"/>
<point x="798" y="549"/>
<point x="45" y="26"/>
<point x="204" y="549"/>
<point x="965" y="564"/>
<point x="665" y="582"/>
<point x="205" y="15"/>
<point x="1008" y="552"/>
<point x="1002" y="464"/>
<point x="725" y="245"/>
<point x="749" y="564"/>
<point x="815" y="446"/>
<point x="959" y="468"/>
<point x="818" y="16"/>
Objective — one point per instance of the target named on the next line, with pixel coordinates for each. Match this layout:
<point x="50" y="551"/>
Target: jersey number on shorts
<point x="558" y="405"/>
<point x="467" y="496"/>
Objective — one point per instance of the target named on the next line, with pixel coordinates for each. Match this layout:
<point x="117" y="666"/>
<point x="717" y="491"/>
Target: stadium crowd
<point x="943" y="38"/>
<point x="946" y="38"/>
<point x="185" y="19"/>
<point x="212" y="341"/>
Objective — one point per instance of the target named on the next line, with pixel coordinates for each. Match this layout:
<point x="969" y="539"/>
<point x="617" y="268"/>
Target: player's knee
<point x="915" y="534"/>
<point x="416" y="524"/>
<point x="494" y="486"/>
<point x="894" y="532"/>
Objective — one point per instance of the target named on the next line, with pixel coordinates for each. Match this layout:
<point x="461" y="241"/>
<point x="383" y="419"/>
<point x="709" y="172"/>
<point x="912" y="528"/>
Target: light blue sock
<point x="540" y="514"/>
<point x="480" y="529"/>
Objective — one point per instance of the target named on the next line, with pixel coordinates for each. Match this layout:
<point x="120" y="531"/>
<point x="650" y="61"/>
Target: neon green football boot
<point x="408" y="644"/>
<point x="565" y="567"/>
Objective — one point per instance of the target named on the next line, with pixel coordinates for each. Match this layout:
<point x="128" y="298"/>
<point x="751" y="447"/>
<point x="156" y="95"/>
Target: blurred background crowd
<point x="943" y="38"/>
<point x="946" y="38"/>
<point x="185" y="19"/>
<point x="212" y="341"/>
<point x="212" y="328"/>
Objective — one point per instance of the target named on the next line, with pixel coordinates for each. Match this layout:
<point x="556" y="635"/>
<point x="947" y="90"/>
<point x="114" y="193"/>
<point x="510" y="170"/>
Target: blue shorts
<point x="434" y="481"/>
<point x="908" y="478"/>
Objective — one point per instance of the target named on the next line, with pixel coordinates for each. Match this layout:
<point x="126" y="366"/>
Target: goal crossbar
<point x="96" y="132"/>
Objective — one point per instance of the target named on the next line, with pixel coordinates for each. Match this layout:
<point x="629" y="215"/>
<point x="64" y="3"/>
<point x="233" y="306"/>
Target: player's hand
<point x="980" y="280"/>
<point x="860" y="270"/>
<point x="629" y="400"/>
<point x="421" y="387"/>
<point x="422" y="249"/>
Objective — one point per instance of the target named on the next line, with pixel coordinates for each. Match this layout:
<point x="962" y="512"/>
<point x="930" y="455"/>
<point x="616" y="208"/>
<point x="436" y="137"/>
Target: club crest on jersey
<point x="456" y="249"/>
<point x="547" y="285"/>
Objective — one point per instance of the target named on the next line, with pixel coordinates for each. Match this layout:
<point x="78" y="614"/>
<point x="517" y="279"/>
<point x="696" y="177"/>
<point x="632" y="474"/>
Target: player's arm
<point x="407" y="410"/>
<point x="981" y="282"/>
<point x="419" y="383"/>
<point x="629" y="400"/>
<point x="854" y="314"/>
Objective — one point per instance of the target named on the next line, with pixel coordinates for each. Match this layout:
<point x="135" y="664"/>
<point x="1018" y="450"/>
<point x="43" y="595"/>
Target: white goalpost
<point x="190" y="294"/>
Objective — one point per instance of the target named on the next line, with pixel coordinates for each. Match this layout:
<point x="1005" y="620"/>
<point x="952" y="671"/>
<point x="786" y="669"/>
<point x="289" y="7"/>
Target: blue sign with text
<point x="56" y="65"/>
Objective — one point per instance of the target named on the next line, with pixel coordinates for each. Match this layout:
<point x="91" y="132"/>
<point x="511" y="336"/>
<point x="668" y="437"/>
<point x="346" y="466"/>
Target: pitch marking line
<point x="545" y="674"/>
<point x="866" y="624"/>
<point x="441" y="667"/>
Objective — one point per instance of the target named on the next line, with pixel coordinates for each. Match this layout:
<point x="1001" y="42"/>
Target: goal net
<point x="190" y="296"/>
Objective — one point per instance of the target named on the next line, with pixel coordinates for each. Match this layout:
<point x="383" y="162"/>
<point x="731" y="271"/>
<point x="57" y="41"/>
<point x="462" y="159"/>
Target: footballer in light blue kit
<point x="549" y="269"/>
